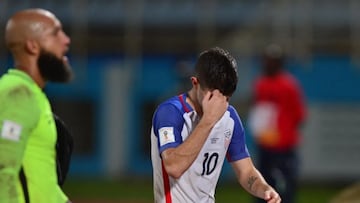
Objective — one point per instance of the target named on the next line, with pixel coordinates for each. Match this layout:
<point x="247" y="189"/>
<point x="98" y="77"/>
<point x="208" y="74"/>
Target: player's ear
<point x="32" y="47"/>
<point x="194" y="81"/>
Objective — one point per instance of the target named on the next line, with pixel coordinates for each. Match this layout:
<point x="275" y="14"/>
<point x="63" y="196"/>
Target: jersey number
<point x="209" y="163"/>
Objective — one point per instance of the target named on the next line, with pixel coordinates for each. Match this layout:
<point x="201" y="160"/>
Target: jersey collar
<point x="21" y="74"/>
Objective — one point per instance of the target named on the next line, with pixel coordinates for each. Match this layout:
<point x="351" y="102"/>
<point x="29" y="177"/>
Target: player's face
<point x="200" y="93"/>
<point x="52" y="62"/>
<point x="53" y="68"/>
<point x="54" y="39"/>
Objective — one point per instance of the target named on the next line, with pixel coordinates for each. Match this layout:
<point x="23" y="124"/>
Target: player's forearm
<point x="255" y="184"/>
<point x="178" y="160"/>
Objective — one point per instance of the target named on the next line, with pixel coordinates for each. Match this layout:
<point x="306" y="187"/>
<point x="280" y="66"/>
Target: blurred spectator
<point x="276" y="115"/>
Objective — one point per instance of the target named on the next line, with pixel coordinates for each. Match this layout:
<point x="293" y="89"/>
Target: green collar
<point x="21" y="74"/>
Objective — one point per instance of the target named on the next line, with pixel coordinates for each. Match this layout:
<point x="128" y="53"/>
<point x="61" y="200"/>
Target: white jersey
<point x="173" y="122"/>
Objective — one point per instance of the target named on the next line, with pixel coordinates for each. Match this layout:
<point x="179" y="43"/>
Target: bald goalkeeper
<point x="28" y="133"/>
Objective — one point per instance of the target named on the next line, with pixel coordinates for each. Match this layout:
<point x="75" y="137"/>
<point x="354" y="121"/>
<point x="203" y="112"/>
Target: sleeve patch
<point x="11" y="130"/>
<point x="166" y="135"/>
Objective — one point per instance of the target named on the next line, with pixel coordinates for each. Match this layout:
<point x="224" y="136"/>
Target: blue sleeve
<point x="237" y="148"/>
<point x="168" y="115"/>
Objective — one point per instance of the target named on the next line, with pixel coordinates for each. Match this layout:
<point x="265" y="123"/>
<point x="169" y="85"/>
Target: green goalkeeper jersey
<point x="27" y="140"/>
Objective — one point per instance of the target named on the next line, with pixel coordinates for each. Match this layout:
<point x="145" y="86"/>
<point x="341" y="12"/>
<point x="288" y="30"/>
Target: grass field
<point x="140" y="191"/>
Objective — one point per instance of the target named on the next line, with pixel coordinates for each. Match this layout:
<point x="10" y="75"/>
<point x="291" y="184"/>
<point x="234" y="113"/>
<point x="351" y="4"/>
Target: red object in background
<point x="283" y="91"/>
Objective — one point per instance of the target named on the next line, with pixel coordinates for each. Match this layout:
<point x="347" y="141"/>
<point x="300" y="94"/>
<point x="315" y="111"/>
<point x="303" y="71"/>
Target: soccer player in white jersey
<point x="192" y="133"/>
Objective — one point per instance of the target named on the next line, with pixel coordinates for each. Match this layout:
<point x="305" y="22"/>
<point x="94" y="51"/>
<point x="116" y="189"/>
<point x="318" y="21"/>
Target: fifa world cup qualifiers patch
<point x="11" y="130"/>
<point x="166" y="135"/>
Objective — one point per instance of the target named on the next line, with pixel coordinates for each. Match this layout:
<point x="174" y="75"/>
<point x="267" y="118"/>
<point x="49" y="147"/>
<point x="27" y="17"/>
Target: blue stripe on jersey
<point x="170" y="114"/>
<point x="237" y="149"/>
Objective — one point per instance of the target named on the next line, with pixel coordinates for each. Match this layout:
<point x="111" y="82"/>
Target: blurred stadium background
<point x="130" y="54"/>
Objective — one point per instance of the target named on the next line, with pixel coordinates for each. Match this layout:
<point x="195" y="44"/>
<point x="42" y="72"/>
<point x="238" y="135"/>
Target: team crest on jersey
<point x="11" y="130"/>
<point x="227" y="135"/>
<point x="166" y="135"/>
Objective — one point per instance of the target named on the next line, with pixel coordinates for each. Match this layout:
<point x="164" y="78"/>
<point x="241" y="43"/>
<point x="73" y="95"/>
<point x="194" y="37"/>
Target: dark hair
<point x="216" y="69"/>
<point x="273" y="59"/>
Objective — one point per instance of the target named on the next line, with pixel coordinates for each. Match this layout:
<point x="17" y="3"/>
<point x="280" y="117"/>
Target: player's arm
<point x="178" y="160"/>
<point x="253" y="182"/>
<point x="18" y="113"/>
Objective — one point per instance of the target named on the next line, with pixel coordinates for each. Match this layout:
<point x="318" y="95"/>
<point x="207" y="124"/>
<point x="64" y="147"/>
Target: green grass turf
<point x="141" y="190"/>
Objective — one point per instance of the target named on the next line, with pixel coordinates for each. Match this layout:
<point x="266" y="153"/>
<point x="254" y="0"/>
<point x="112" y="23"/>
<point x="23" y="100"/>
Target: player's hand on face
<point x="214" y="105"/>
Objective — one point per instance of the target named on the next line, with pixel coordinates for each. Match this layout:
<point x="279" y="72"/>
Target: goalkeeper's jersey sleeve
<point x="27" y="140"/>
